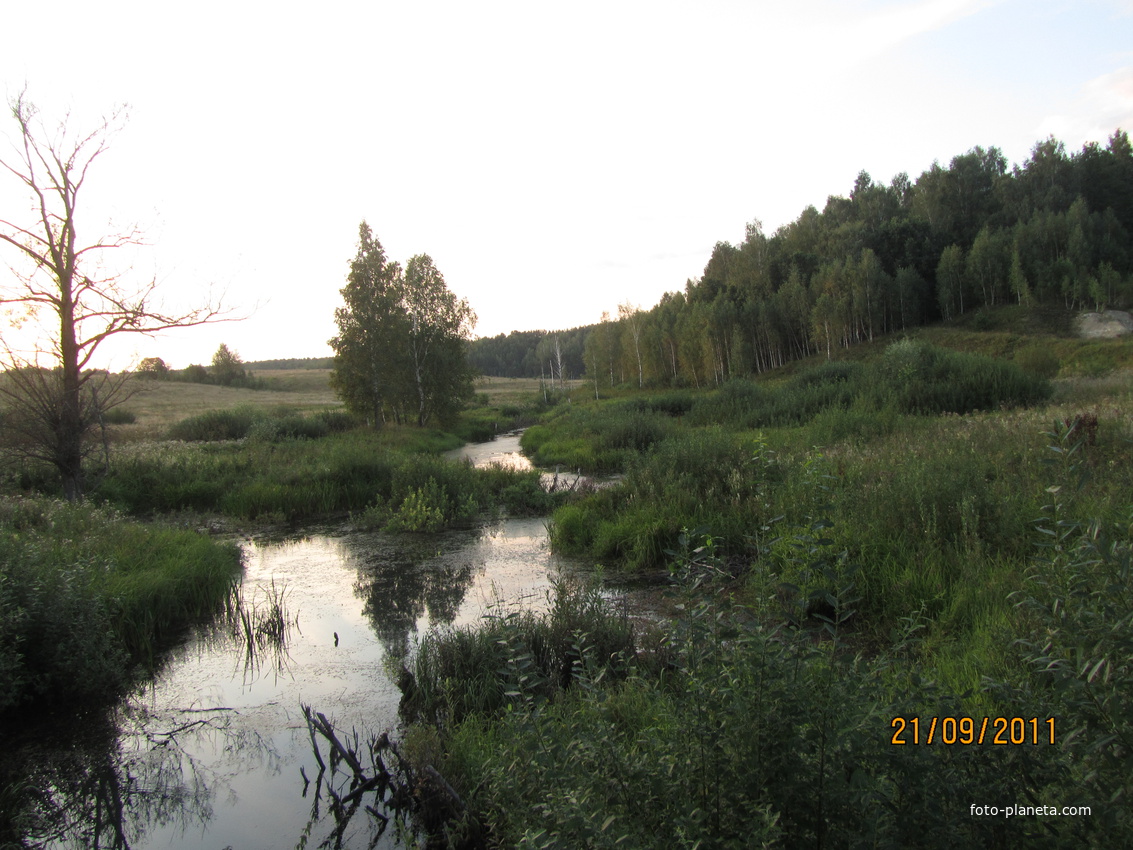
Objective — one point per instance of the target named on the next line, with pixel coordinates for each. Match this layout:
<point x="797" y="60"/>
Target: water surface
<point x="215" y="751"/>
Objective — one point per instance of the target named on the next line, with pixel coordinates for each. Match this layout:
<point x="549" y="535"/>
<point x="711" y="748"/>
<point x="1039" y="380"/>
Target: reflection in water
<point x="418" y="577"/>
<point x="375" y="768"/>
<point x="503" y="451"/>
<point x="126" y="772"/>
<point x="214" y="751"/>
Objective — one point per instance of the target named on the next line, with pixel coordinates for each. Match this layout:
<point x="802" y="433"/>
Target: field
<point x="156" y="405"/>
<point x="514" y="391"/>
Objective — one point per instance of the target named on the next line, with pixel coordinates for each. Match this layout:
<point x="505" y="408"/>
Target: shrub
<point x="215" y="425"/>
<point x="738" y="402"/>
<point x="83" y="593"/>
<point x="1080" y="606"/>
<point x="705" y="745"/>
<point x="1038" y="360"/>
<point x="422" y="509"/>
<point x="119" y="416"/>
<point x="919" y="378"/>
<point x="671" y="404"/>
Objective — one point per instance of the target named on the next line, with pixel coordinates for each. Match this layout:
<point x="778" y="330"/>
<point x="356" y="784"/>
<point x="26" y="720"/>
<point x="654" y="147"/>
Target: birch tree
<point x="630" y="315"/>
<point x="439" y="324"/>
<point x="401" y="339"/>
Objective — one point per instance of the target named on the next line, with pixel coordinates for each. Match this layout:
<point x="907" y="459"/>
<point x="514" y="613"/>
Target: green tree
<point x="988" y="263"/>
<point x="950" y="281"/>
<point x="227" y="367"/>
<point x="600" y="353"/>
<point x="367" y="359"/>
<point x="402" y="339"/>
<point x="1017" y="279"/>
<point x="629" y="315"/>
<point x="911" y="291"/>
<point x="153" y="368"/>
<point x="439" y="325"/>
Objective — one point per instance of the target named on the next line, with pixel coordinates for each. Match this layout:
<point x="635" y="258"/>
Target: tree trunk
<point x="69" y="439"/>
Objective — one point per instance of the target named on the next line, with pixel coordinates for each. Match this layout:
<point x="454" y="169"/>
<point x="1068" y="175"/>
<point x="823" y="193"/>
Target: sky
<point x="554" y="159"/>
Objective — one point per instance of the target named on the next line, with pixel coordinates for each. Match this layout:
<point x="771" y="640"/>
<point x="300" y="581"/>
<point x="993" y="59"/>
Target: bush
<point x="738" y="402"/>
<point x="258" y="424"/>
<point x="919" y="378"/>
<point x="215" y="425"/>
<point x="1038" y="360"/>
<point x="119" y="416"/>
<point x="671" y="404"/>
<point x="702" y="741"/>
<point x="84" y="593"/>
<point x="1079" y="598"/>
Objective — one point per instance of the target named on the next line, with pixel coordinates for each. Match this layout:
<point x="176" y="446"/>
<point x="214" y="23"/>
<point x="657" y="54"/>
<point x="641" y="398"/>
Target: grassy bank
<point x="371" y="474"/>
<point x="86" y="595"/>
<point x="919" y="534"/>
<point x="927" y="468"/>
<point x="727" y="730"/>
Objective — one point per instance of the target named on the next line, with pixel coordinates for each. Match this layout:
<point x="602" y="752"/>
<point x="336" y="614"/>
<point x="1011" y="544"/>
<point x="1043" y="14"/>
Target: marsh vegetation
<point x="918" y="534"/>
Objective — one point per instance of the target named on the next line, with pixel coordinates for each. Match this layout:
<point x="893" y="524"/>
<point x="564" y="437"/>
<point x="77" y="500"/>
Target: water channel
<point x="214" y="752"/>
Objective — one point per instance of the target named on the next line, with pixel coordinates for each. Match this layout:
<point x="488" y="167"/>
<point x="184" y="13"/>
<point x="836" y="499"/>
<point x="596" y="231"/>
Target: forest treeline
<point x="529" y="354"/>
<point x="1055" y="230"/>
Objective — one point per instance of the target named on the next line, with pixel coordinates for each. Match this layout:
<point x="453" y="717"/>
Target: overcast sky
<point x="554" y="159"/>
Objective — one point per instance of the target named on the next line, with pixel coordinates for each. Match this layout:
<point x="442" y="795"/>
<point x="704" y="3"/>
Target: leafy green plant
<point x="1079" y="601"/>
<point x="423" y="509"/>
<point x="85" y="594"/>
<point x="737" y="733"/>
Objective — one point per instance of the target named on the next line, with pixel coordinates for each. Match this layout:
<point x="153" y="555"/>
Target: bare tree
<point x="61" y="284"/>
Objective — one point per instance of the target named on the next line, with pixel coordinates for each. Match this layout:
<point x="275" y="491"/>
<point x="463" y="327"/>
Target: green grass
<point x="516" y="658"/>
<point x="86" y="594"/>
<point x="935" y="513"/>
<point x="728" y="731"/>
<point x="391" y="478"/>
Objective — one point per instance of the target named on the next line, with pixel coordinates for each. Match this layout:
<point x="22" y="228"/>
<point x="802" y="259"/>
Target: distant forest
<point x="1055" y="230"/>
<point x="292" y="363"/>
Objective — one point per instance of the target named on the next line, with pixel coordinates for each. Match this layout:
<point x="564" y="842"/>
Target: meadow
<point x="933" y="531"/>
<point x="154" y="405"/>
<point x="91" y="594"/>
<point x="861" y="552"/>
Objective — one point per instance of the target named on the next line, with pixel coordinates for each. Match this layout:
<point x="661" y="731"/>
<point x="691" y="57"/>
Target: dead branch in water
<point x="426" y="795"/>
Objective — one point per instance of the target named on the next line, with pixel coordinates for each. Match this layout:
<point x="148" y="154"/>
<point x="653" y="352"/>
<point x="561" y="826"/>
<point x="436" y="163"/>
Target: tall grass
<point x="935" y="512"/>
<point x="382" y="478"/>
<point x="742" y="733"/>
<point x="515" y="657"/>
<point x="595" y="439"/>
<point x="85" y="594"/>
<point x="911" y="377"/>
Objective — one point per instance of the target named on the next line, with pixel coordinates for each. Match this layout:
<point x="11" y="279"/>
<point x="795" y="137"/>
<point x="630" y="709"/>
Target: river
<point x="215" y="751"/>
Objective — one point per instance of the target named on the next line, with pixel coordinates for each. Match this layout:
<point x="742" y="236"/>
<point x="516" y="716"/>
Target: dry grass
<point x="158" y="404"/>
<point x="297" y="380"/>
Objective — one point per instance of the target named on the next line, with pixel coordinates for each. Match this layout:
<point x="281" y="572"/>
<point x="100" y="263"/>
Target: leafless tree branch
<point x="51" y="411"/>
